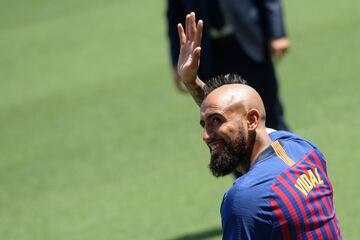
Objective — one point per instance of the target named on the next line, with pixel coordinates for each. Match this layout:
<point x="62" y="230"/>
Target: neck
<point x="262" y="141"/>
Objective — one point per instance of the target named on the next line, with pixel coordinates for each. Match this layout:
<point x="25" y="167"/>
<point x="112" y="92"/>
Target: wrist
<point x="194" y="83"/>
<point x="189" y="82"/>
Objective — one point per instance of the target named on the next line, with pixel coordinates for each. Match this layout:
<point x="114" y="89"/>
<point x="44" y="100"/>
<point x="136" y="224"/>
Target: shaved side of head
<point x="236" y="97"/>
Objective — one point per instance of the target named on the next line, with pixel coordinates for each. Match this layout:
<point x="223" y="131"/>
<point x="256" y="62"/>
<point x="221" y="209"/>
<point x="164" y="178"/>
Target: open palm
<point x="190" y="42"/>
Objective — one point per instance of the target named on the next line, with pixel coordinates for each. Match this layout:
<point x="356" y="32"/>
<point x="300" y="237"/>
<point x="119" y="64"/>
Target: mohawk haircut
<point x="221" y="80"/>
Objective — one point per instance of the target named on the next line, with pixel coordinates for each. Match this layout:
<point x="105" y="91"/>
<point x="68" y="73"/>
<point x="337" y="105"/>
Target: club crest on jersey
<point x="308" y="180"/>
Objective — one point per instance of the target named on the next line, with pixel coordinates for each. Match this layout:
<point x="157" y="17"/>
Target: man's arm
<point x="272" y="13"/>
<point x="196" y="90"/>
<point x="189" y="56"/>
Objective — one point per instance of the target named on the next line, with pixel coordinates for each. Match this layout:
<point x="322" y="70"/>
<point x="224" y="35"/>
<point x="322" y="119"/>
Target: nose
<point x="206" y="135"/>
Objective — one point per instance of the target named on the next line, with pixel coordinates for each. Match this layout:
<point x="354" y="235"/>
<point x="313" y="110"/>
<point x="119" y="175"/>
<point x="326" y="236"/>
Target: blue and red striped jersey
<point x="286" y="194"/>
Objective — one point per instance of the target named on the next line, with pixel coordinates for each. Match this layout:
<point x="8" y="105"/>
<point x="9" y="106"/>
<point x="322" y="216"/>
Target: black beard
<point x="233" y="155"/>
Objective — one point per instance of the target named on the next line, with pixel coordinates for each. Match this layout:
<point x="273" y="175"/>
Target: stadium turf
<point x="96" y="144"/>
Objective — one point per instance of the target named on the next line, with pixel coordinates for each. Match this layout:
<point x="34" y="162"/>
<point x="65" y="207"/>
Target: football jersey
<point x="286" y="194"/>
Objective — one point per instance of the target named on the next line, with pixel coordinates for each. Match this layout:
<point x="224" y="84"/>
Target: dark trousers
<point x="230" y="58"/>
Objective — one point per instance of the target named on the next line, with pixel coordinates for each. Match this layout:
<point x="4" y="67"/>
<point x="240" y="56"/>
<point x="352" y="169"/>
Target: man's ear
<point x="253" y="116"/>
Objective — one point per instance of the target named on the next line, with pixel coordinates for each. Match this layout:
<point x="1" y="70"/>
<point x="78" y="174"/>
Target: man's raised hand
<point x="190" y="47"/>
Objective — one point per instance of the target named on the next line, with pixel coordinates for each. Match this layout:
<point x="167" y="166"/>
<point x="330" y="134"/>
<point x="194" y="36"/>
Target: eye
<point x="216" y="120"/>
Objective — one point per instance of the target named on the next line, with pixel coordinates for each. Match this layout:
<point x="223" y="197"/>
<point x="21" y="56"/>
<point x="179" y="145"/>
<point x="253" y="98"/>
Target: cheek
<point x="230" y="132"/>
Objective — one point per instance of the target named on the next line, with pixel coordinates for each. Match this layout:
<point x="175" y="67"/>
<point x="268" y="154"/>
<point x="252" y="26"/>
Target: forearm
<point x="273" y="16"/>
<point x="196" y="90"/>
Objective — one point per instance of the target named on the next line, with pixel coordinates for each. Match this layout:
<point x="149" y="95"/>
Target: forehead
<point x="215" y="104"/>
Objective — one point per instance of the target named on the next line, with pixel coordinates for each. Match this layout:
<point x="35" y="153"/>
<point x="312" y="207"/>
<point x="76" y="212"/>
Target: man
<point x="239" y="37"/>
<point x="284" y="192"/>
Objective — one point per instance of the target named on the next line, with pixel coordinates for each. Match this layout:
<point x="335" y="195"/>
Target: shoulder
<point x="296" y="147"/>
<point x="286" y="135"/>
<point x="281" y="134"/>
<point x="290" y="139"/>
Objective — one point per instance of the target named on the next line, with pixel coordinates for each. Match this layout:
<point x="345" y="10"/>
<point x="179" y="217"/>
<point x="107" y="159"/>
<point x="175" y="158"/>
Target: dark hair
<point x="221" y="80"/>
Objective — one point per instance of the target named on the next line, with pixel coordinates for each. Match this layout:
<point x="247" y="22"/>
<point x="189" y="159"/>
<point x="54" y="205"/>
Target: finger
<point x="192" y="26"/>
<point x="285" y="51"/>
<point x="274" y="53"/>
<point x="196" y="57"/>
<point x="282" y="53"/>
<point x="278" y="54"/>
<point x="187" y="26"/>
<point x="182" y="36"/>
<point x="198" y="36"/>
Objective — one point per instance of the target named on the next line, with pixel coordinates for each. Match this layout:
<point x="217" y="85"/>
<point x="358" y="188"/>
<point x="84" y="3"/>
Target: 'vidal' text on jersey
<point x="308" y="180"/>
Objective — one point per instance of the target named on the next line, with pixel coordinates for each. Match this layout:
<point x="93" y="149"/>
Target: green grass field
<point x="96" y="143"/>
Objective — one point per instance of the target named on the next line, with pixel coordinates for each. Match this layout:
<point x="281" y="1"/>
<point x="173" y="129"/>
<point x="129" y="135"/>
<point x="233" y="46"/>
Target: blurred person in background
<point x="239" y="37"/>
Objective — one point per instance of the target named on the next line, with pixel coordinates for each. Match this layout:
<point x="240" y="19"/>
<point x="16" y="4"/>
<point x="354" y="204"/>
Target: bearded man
<point x="284" y="191"/>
